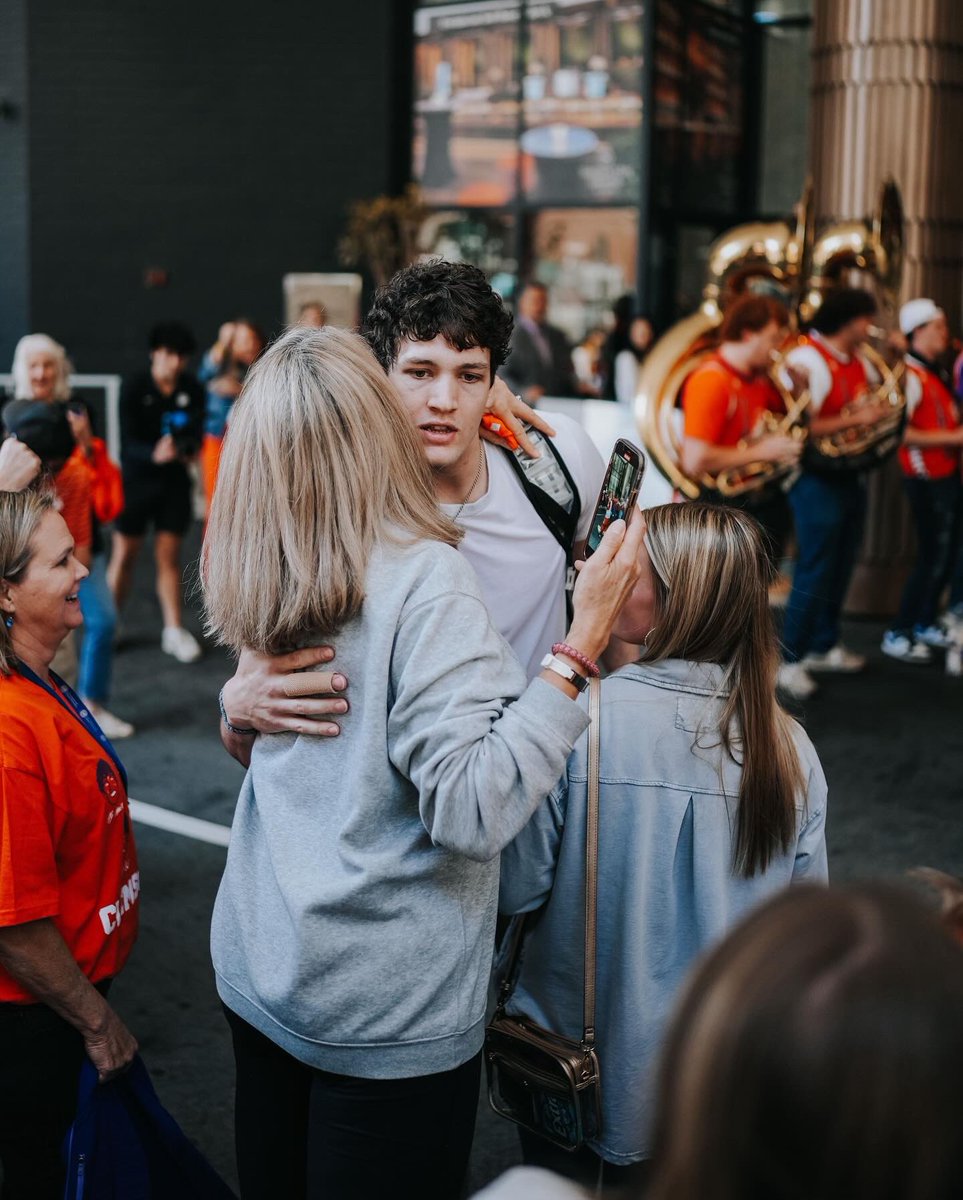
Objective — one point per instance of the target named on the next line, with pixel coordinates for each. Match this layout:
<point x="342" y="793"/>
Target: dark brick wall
<point x="14" y="198"/>
<point x="219" y="141"/>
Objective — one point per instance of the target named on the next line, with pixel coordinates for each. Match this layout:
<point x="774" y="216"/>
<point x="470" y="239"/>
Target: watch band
<point x="551" y="663"/>
<point x="233" y="728"/>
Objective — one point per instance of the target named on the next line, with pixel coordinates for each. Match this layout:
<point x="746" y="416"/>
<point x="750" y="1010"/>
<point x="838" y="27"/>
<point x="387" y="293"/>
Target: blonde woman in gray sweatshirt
<point x="352" y="932"/>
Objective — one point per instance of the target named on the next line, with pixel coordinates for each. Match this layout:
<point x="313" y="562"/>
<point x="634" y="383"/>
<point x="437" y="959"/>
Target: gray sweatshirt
<point x="355" y="920"/>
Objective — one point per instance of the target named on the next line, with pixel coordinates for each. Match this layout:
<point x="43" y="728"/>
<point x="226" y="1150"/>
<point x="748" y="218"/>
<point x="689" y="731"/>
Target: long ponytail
<point x="716" y="609"/>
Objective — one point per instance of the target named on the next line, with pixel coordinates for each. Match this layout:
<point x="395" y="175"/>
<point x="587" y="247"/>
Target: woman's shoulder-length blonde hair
<point x="34" y="343"/>
<point x="20" y="517"/>
<point x="321" y="461"/>
<point x="711" y="578"/>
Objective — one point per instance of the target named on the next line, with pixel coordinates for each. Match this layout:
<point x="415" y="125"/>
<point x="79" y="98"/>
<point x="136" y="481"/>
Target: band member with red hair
<point x="724" y="402"/>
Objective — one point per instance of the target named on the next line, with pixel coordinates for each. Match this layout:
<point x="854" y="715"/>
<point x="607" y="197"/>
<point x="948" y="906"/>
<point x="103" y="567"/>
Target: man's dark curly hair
<point x="840" y="307"/>
<point x="436" y="297"/>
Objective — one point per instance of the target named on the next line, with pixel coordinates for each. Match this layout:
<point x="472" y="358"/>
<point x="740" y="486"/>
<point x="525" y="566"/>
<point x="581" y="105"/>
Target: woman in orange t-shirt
<point x="69" y="882"/>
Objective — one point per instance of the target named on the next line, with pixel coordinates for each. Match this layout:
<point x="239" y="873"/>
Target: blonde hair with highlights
<point x="20" y="517"/>
<point x="712" y="605"/>
<point x="321" y="461"/>
<point x="40" y="343"/>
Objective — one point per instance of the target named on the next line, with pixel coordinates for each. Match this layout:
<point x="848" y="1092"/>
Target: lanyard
<point x="69" y="699"/>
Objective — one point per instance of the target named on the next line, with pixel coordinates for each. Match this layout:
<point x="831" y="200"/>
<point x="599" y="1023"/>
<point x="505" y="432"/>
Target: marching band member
<point x="828" y="508"/>
<point x="930" y="461"/>
<point x="724" y="401"/>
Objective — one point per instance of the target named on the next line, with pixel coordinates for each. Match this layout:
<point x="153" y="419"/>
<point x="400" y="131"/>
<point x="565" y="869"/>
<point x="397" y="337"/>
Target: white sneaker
<point x="952" y="622"/>
<point x="180" y="644"/>
<point x="838" y="659"/>
<point x="794" y="681"/>
<point x="933" y="636"/>
<point x="113" y="727"/>
<point x="898" y="645"/>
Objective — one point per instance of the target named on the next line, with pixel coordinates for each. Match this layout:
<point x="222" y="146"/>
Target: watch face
<point x="551" y="663"/>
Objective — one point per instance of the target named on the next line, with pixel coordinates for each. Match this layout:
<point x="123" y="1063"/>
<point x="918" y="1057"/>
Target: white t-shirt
<point x="627" y="368"/>
<point x="519" y="564"/>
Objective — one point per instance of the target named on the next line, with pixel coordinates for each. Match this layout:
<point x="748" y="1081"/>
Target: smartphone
<point x="620" y="490"/>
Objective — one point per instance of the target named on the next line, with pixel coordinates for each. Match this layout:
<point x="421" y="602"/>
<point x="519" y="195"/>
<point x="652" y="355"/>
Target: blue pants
<point x="829" y="514"/>
<point x="936" y="512"/>
<point x="100" y="618"/>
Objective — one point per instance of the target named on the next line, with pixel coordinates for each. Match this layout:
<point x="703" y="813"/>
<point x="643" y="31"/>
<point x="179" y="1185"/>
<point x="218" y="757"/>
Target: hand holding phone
<point x="619" y="492"/>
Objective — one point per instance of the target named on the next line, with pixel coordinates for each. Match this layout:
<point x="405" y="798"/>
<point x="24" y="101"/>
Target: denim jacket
<point x="666" y="888"/>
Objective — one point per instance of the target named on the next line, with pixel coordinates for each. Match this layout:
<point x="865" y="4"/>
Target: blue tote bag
<point x="124" y="1145"/>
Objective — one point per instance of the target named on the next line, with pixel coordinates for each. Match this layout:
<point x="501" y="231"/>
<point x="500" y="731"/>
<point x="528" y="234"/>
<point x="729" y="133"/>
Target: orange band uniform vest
<point x="67" y="849"/>
<point x="937" y="409"/>
<point x="722" y="406"/>
<point x="849" y="379"/>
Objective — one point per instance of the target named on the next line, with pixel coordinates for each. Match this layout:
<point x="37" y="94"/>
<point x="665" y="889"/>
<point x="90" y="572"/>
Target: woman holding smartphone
<point x="353" y="929"/>
<point x="711" y="799"/>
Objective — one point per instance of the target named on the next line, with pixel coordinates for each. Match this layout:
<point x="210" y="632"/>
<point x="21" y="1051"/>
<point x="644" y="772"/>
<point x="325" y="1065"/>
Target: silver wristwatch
<point x="552" y="662"/>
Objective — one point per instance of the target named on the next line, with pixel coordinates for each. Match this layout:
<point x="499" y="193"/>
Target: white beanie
<point x="915" y="313"/>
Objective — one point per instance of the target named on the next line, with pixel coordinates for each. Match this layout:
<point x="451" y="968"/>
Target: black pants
<point x="936" y="514"/>
<point x="40" y="1060"/>
<point x="304" y="1134"/>
<point x="583" y="1166"/>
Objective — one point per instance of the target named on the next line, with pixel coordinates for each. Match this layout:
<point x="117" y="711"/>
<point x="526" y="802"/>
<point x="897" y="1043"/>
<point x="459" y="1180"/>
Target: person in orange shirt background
<point x="724" y="400"/>
<point x="69" y="879"/>
<point x="226" y="363"/>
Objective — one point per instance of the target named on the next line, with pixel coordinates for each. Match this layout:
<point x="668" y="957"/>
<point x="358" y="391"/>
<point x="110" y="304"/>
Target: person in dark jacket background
<point x="161" y="415"/>
<point x="540" y="361"/>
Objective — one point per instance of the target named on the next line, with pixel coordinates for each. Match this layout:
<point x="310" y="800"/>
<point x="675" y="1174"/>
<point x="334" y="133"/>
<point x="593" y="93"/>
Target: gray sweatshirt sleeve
<point x="481" y="752"/>
<point x="528" y="862"/>
<point x="811" y="863"/>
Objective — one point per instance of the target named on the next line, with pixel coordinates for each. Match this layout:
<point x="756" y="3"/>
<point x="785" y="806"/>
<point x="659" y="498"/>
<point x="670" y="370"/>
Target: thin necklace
<point x="474" y="482"/>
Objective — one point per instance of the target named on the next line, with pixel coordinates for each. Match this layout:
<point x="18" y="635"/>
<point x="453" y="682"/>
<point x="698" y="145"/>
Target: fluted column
<point x="887" y="100"/>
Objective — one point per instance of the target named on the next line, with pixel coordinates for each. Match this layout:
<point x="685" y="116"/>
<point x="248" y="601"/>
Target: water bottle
<point x="545" y="472"/>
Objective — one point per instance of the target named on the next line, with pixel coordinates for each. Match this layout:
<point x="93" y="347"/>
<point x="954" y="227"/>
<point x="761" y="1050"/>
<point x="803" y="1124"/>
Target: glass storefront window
<point x="785" y="118"/>
<point x="466" y="102"/>
<point x="699" y="67"/>
<point x="587" y="258"/>
<point x="484" y="239"/>
<point x="582" y="102"/>
<point x="579" y="125"/>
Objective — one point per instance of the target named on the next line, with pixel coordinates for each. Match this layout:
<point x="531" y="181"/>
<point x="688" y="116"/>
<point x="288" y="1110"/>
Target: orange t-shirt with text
<point x="723" y="406"/>
<point x="66" y="845"/>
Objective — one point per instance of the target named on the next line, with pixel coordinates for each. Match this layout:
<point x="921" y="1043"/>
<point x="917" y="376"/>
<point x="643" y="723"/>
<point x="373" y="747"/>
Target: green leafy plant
<point x="382" y="234"/>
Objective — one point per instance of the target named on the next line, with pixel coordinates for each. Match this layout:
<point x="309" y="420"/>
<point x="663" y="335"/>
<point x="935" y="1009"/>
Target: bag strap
<point x="517" y="933"/>
<point x="591" y="863"/>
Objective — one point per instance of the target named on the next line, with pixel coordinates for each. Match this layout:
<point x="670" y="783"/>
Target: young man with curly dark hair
<point x="440" y="332"/>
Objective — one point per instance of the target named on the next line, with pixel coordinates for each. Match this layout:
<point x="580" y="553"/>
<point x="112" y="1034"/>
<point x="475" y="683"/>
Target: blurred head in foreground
<point x="818" y="1053"/>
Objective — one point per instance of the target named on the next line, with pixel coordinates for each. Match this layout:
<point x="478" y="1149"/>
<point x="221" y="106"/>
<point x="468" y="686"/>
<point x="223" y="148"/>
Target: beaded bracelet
<point x="577" y="656"/>
<point x="233" y="728"/>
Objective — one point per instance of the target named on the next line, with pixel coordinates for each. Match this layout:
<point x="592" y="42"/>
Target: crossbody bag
<point x="541" y="1080"/>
